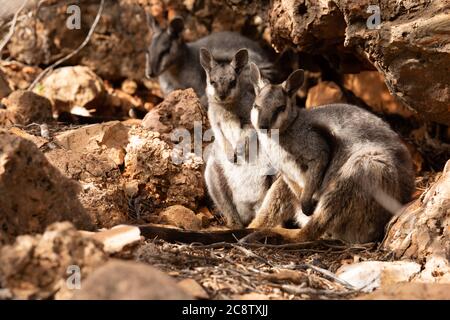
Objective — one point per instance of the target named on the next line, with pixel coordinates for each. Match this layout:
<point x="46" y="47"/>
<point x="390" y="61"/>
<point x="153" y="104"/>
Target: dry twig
<point x="12" y="27"/>
<point x="73" y="53"/>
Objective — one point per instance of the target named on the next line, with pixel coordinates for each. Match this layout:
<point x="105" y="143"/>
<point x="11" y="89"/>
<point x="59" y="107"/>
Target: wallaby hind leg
<point x="221" y="194"/>
<point x="278" y="206"/>
<point x="331" y="206"/>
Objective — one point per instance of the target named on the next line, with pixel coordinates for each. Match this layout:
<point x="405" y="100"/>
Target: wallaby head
<point x="275" y="104"/>
<point x="223" y="77"/>
<point x="166" y="47"/>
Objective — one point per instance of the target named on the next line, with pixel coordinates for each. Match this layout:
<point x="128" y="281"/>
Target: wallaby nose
<point x="263" y="126"/>
<point x="222" y="96"/>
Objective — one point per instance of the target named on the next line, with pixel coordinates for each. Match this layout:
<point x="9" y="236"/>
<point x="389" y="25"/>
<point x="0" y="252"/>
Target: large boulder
<point x="38" y="266"/>
<point x="155" y="177"/>
<point x="128" y="280"/>
<point x="409" y="46"/>
<point x="422" y="231"/>
<point x="126" y="174"/>
<point x="92" y="155"/>
<point x="33" y="193"/>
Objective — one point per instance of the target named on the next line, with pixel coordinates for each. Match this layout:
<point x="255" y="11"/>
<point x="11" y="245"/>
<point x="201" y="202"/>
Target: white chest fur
<point x="282" y="161"/>
<point x="247" y="180"/>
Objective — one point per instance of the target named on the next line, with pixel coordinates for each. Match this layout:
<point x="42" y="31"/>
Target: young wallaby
<point x="230" y="97"/>
<point x="176" y="63"/>
<point x="342" y="157"/>
<point x="237" y="187"/>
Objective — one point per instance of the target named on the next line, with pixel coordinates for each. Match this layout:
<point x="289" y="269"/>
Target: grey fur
<point x="237" y="187"/>
<point x="177" y="64"/>
<point x="342" y="157"/>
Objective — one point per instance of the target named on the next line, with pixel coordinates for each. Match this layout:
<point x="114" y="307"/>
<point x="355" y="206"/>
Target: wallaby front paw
<point x="276" y="235"/>
<point x="260" y="235"/>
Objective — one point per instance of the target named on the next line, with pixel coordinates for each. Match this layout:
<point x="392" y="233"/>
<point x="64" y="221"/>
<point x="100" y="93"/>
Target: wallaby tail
<point x="375" y="172"/>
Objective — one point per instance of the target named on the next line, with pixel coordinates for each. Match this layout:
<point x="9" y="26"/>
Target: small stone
<point x="129" y="280"/>
<point x="181" y="217"/>
<point x="129" y="86"/>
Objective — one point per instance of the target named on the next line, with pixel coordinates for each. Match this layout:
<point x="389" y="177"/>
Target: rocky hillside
<point x="91" y="177"/>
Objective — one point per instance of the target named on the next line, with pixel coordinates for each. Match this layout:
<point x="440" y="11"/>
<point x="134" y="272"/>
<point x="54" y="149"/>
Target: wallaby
<point x="236" y="186"/>
<point x="344" y="158"/>
<point x="176" y="63"/>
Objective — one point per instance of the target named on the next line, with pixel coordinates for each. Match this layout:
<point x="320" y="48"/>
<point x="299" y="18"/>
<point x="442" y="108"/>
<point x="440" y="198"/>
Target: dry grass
<point x="230" y="271"/>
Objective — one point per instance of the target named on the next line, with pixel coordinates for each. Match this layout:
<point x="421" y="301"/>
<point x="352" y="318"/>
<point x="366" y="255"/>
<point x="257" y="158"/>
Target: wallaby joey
<point x="342" y="157"/>
<point x="237" y="186"/>
<point x="176" y="63"/>
<point x="230" y="97"/>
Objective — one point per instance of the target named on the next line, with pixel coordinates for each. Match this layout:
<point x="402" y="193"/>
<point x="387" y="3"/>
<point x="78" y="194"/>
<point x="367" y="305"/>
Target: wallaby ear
<point x="206" y="59"/>
<point x="293" y="82"/>
<point x="176" y="26"/>
<point x="153" y="25"/>
<point x="255" y="77"/>
<point x="240" y="60"/>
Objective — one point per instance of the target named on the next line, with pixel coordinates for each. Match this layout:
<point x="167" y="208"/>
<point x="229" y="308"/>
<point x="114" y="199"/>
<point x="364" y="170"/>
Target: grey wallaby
<point x="176" y="63"/>
<point x="237" y="186"/>
<point x="347" y="168"/>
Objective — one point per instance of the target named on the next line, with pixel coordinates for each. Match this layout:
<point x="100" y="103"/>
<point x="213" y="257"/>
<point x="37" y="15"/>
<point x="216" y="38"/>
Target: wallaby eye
<point x="233" y="83"/>
<point x="281" y="109"/>
<point x="256" y="107"/>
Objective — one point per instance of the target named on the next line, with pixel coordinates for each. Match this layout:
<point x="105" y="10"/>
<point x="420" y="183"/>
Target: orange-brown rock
<point x="33" y="193"/>
<point x="370" y="87"/>
<point x="181" y="217"/>
<point x="25" y="107"/>
<point x="324" y="92"/>
<point x="37" y="267"/>
<point x="128" y="280"/>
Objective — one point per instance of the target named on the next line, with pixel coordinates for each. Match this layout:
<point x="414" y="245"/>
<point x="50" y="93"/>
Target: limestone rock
<point x="409" y="46"/>
<point x="25" y="107"/>
<point x="38" y="266"/>
<point x="162" y="180"/>
<point x="181" y="217"/>
<point x="411" y="291"/>
<point x="194" y="288"/>
<point x="70" y="87"/>
<point x="422" y="231"/>
<point x="109" y="138"/>
<point x="423" y="227"/>
<point x="101" y="194"/>
<point x="181" y="109"/>
<point x="33" y="193"/>
<point x="127" y="280"/>
<point x="368" y="275"/>
<point x="324" y="92"/>
<point x="371" y="88"/>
